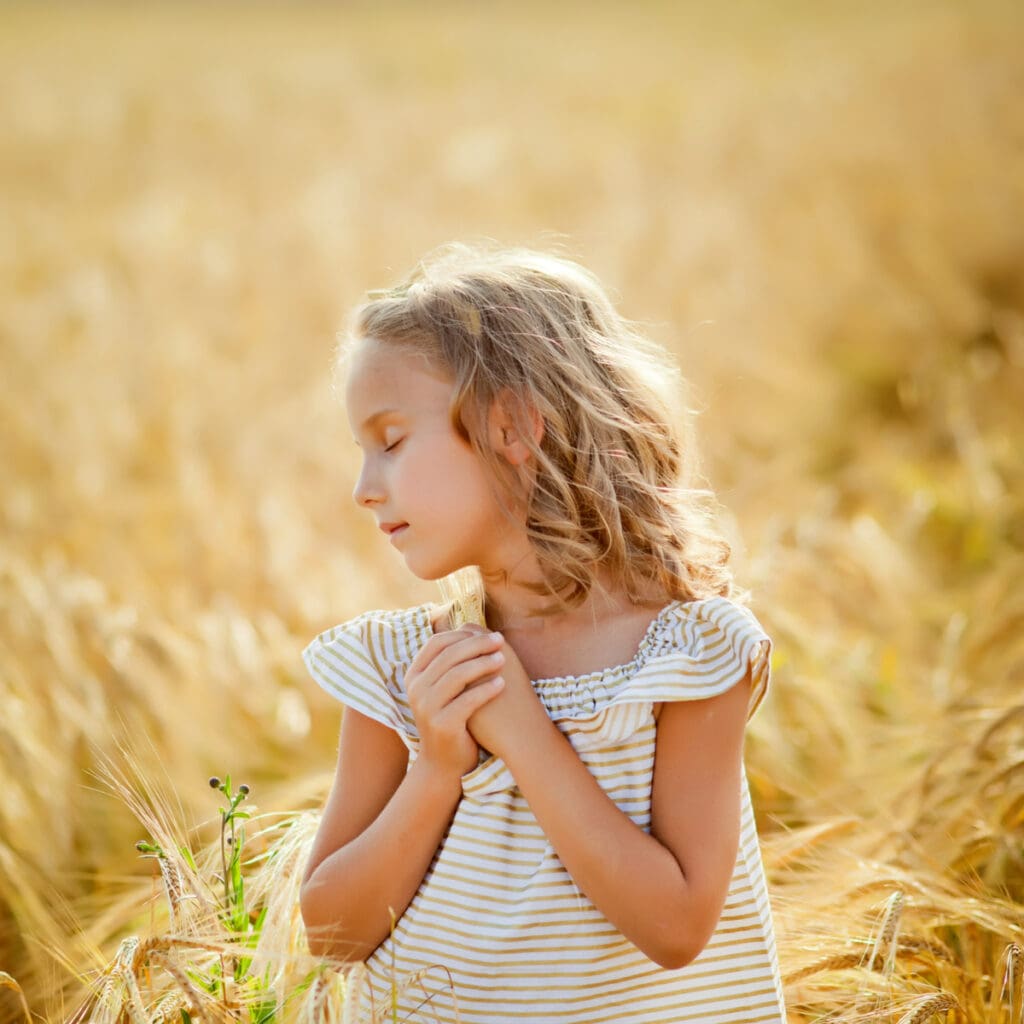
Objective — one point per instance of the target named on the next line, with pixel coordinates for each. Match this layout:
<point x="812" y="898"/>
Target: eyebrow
<point x="378" y="415"/>
<point x="373" y="418"/>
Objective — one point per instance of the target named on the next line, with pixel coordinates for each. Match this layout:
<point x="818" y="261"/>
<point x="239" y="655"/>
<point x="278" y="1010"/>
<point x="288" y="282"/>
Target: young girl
<point x="543" y="818"/>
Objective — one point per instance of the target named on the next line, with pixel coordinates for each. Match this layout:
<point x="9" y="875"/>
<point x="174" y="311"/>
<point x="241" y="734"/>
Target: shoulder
<point x="695" y="623"/>
<point x="704" y="647"/>
<point x="374" y="643"/>
<point x="362" y="662"/>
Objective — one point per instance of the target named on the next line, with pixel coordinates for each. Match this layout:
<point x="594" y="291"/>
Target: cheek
<point x="424" y="483"/>
<point x="481" y="502"/>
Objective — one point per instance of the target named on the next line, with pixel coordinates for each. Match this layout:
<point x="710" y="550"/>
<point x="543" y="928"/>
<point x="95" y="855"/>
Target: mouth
<point x="393" y="529"/>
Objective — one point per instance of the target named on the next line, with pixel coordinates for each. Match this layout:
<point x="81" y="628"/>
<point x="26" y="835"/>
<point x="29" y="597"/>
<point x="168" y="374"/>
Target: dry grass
<point x="818" y="208"/>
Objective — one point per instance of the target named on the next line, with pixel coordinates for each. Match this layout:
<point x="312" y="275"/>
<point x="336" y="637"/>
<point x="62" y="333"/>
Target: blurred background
<point x="819" y="208"/>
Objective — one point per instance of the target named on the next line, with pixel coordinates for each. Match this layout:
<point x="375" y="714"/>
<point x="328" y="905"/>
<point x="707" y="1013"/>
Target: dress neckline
<point x="627" y="668"/>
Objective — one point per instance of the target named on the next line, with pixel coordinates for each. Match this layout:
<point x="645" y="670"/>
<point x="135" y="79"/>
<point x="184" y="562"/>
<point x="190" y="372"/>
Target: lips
<point x="392" y="528"/>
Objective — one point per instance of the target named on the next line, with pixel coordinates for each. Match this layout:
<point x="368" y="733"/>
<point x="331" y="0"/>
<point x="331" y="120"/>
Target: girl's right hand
<point x="452" y="675"/>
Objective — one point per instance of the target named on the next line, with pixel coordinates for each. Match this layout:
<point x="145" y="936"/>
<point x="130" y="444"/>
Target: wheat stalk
<point x="136" y="1006"/>
<point x="416" y="978"/>
<point x="928" y="1007"/>
<point x="795" y="844"/>
<point x="174" y="888"/>
<point x="192" y="995"/>
<point x="836" y="962"/>
<point x="326" y="1003"/>
<point x="1011" y="991"/>
<point x="168" y="1008"/>
<point x="6" y="981"/>
<point x="887" y="932"/>
<point x="464" y="591"/>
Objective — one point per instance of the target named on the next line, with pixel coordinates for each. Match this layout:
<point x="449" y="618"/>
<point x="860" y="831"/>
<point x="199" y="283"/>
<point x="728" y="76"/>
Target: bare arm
<point x="382" y="824"/>
<point x="664" y="890"/>
<point x="380" y="828"/>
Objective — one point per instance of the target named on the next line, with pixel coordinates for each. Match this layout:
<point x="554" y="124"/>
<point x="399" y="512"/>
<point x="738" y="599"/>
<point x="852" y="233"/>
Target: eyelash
<point x="392" y="447"/>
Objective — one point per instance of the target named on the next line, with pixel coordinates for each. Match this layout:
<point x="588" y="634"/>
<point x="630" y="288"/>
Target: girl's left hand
<point x="514" y="712"/>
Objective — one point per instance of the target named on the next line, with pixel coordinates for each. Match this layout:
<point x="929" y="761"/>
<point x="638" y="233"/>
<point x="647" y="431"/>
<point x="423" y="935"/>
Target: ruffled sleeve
<point x="692" y="650"/>
<point x="362" y="664"/>
<point x="702" y="649"/>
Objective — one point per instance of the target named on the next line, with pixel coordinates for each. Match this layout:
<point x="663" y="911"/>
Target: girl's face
<point x="426" y="487"/>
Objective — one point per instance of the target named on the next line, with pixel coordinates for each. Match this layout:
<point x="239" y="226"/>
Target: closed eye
<point x="392" y="447"/>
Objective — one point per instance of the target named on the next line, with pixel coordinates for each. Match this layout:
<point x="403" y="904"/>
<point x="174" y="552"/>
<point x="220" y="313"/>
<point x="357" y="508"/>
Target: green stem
<point x="224" y="862"/>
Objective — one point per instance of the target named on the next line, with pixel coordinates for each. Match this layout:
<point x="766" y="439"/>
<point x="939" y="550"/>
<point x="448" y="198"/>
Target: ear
<point x="505" y="429"/>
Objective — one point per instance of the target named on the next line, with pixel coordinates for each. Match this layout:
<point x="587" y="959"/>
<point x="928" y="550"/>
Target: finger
<point x="473" y="698"/>
<point x="436" y="645"/>
<point x="432" y="699"/>
<point x="426" y="656"/>
<point x="467" y="647"/>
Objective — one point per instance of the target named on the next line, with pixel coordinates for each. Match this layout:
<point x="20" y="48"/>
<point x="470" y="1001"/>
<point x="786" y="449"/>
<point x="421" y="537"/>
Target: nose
<point x="367" y="490"/>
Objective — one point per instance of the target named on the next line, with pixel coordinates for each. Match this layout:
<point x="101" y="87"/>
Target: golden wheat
<point x="929" y="1007"/>
<point x="191" y="201"/>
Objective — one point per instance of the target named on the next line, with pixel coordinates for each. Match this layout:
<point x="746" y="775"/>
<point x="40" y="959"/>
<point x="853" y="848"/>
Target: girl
<point x="542" y="816"/>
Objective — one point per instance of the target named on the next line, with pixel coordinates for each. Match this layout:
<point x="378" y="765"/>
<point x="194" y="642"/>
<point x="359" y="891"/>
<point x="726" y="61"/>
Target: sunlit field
<point x="818" y="208"/>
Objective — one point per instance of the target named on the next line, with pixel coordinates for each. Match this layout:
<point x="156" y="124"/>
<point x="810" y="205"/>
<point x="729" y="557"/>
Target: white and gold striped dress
<point x="498" y="931"/>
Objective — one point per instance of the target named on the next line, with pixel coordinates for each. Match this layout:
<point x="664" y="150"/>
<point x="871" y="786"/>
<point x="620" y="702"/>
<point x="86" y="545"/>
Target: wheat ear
<point x="6" y="981"/>
<point x="928" y="1007"/>
<point x="464" y="591"/>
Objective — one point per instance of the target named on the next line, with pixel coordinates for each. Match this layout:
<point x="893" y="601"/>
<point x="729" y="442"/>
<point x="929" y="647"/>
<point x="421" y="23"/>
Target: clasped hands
<point x="468" y="690"/>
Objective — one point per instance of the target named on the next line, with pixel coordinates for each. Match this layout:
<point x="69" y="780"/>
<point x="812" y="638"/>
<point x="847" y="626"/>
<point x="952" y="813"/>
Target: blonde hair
<point x="609" y="483"/>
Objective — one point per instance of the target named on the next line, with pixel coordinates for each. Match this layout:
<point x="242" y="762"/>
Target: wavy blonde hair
<point x="609" y="484"/>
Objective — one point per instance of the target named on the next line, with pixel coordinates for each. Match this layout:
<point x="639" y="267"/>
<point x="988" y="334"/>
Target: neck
<point x="510" y="607"/>
<point x="509" y="602"/>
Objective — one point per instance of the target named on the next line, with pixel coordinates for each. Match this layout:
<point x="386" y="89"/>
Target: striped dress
<point x="498" y="931"/>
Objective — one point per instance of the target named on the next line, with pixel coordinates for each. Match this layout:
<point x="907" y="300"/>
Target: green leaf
<point x="263" y="1013"/>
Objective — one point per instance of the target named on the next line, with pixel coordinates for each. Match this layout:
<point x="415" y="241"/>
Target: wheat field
<point x="818" y="208"/>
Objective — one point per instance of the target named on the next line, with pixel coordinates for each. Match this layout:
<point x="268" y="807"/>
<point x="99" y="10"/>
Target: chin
<point x="433" y="573"/>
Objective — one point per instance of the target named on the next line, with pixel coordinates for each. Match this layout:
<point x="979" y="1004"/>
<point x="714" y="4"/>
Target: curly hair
<point x="609" y="483"/>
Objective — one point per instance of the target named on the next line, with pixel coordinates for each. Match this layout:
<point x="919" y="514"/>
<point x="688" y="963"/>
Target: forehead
<point x="384" y="376"/>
